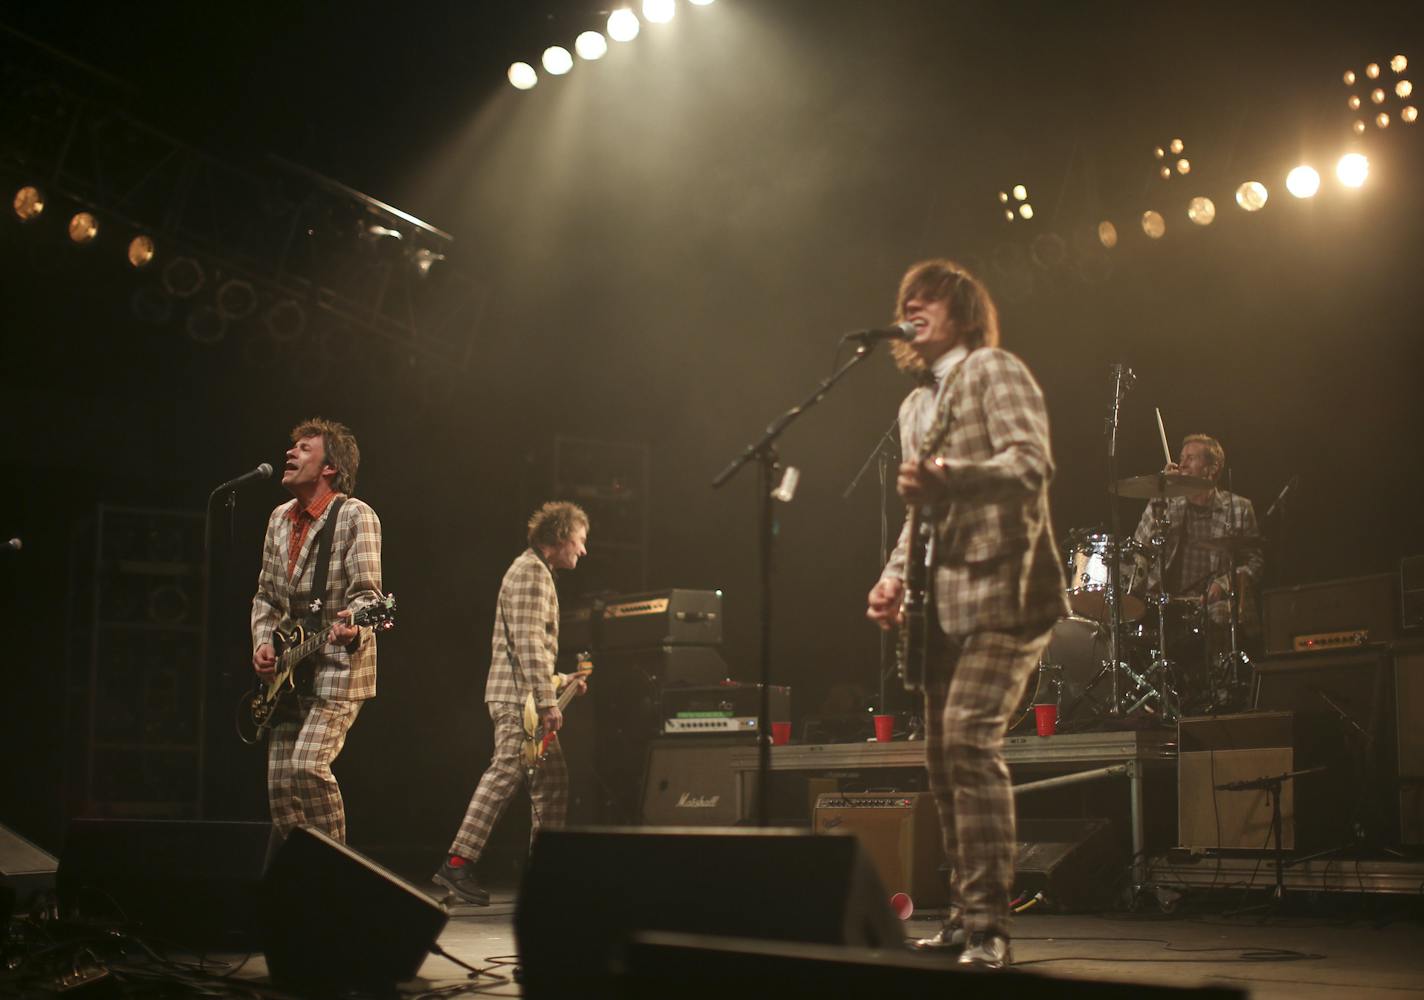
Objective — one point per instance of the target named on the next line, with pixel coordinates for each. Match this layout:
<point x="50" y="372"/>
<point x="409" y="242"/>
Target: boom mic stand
<point x="886" y="452"/>
<point x="1123" y="380"/>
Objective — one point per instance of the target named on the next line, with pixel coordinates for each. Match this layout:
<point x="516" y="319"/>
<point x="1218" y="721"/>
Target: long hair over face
<point x="971" y="309"/>
<point x="340" y="447"/>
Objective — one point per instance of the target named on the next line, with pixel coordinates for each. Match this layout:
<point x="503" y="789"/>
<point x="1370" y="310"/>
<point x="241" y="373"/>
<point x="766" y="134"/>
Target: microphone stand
<point x="1122" y="383"/>
<point x="763" y="450"/>
<point x="885" y="452"/>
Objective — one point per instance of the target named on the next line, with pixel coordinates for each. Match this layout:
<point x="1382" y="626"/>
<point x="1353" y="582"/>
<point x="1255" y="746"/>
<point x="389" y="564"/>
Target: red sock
<point x="457" y="862"/>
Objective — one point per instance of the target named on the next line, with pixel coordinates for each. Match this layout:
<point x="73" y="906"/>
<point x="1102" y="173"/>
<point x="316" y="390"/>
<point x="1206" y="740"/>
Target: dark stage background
<point x="668" y="244"/>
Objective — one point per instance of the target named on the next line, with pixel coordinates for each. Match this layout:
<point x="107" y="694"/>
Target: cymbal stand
<point x="1163" y="666"/>
<point x="1123" y="379"/>
<point x="1232" y="668"/>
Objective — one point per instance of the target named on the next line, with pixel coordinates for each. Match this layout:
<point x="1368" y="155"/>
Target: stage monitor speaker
<point x="1077" y="864"/>
<point x="585" y="892"/>
<point x="690" y="782"/>
<point x="26" y="872"/>
<point x="899" y="832"/>
<point x="334" y="920"/>
<point x="1368" y="604"/>
<point x="188" y="882"/>
<point x="1409" y="707"/>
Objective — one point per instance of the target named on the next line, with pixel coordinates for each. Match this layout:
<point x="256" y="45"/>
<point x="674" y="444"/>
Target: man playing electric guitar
<point x="320" y="474"/>
<point x="525" y="645"/>
<point x="995" y="575"/>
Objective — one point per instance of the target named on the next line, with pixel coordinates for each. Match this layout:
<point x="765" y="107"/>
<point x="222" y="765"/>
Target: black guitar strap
<point x="314" y="617"/>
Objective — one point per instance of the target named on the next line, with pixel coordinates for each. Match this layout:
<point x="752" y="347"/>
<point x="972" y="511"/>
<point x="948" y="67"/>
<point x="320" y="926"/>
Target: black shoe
<point x="948" y="940"/>
<point x="461" y="882"/>
<point x="987" y="950"/>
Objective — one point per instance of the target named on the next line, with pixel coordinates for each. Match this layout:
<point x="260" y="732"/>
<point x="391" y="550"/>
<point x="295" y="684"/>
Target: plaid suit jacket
<point x="996" y="564"/>
<point x="525" y="643"/>
<point x="353" y="581"/>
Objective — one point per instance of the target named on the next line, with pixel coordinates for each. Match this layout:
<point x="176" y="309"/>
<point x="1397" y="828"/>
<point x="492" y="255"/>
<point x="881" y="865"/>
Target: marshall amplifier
<point x="728" y="707"/>
<point x="691" y="783"/>
<point x="674" y="617"/>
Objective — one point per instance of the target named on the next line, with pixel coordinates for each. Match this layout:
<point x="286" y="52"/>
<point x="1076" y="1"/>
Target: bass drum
<point x="1069" y="665"/>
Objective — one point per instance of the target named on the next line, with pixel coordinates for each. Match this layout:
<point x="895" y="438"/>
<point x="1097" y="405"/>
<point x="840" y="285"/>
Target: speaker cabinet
<point x="899" y="833"/>
<point x="586" y="892"/>
<point x="25" y="871"/>
<point x="333" y="920"/>
<point x="1077" y="864"/>
<point x="185" y="882"/>
<point x="690" y="782"/>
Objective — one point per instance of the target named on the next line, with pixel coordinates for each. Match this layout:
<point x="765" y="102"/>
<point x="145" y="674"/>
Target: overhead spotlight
<point x="83" y="228"/>
<point x="183" y="277"/>
<point x="141" y="251"/>
<point x="1009" y="214"/>
<point x="1176" y="145"/>
<point x="285" y="321"/>
<point x="1382" y="120"/>
<point x="1358" y="127"/>
<point x="1354" y="102"/>
<point x="425" y="259"/>
<point x="205" y="324"/>
<point x="591" y="45"/>
<point x="1349" y="78"/>
<point x="1352" y="169"/>
<point x="1403" y="88"/>
<point x="1154" y="225"/>
<point x="1107" y="234"/>
<point x="379" y="233"/>
<point x="1159" y="152"/>
<point x="236" y="299"/>
<point x="522" y="76"/>
<point x="1202" y="211"/>
<point x="1003" y="197"/>
<point x="704" y="3"/>
<point x="1184" y="166"/>
<point x="1252" y="196"/>
<point x="1020" y="192"/>
<point x="1303" y="182"/>
<point x="1409" y="114"/>
<point x="1399" y="64"/>
<point x="659" y="11"/>
<point x="1372" y="71"/>
<point x="29" y="203"/>
<point x="556" y="60"/>
<point x="1377" y="95"/>
<point x="623" y="25"/>
<point x="1026" y="211"/>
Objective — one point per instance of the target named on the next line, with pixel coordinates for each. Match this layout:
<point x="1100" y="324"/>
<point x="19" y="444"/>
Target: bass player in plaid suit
<point x="997" y="580"/>
<point x="321" y="466"/>
<point x="524" y="648"/>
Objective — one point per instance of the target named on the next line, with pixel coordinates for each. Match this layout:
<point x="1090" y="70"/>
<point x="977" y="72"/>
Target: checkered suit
<point x="301" y="789"/>
<point x="998" y="588"/>
<point x="523" y="650"/>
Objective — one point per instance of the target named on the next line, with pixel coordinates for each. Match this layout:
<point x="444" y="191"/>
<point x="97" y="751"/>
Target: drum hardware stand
<point x="1232" y="669"/>
<point x="1123" y="380"/>
<point x="1168" y="700"/>
<point x="1272" y="786"/>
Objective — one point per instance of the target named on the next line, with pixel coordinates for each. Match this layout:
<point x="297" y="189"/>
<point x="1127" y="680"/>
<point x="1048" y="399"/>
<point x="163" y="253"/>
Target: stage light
<point x="1184" y="166"/>
<point x="236" y="299"/>
<point x="1382" y="120"/>
<point x="1349" y="78"/>
<point x="1166" y="173"/>
<point x="1409" y="114"/>
<point x="1026" y="211"/>
<point x="591" y="45"/>
<point x="1020" y="192"/>
<point x="285" y="321"/>
<point x="704" y="3"/>
<point x="141" y="251"/>
<point x="1352" y="169"/>
<point x="1159" y="152"/>
<point x="1372" y="71"/>
<point x="1358" y="127"/>
<point x="1154" y="225"/>
<point x="1399" y="64"/>
<point x="1403" y="88"/>
<point x="1354" y="102"/>
<point x="1003" y="197"/>
<point x="205" y="324"/>
<point x="1252" y="196"/>
<point x="623" y="25"/>
<point x="1048" y="251"/>
<point x="1377" y="95"/>
<point x="183" y="277"/>
<point x="426" y="259"/>
<point x="1303" y="182"/>
<point x="29" y="203"/>
<point x="659" y="11"/>
<point x="522" y="75"/>
<point x="1176" y="146"/>
<point x="83" y="228"/>
<point x="1107" y="234"/>
<point x="556" y="60"/>
<point x="1202" y="211"/>
<point x="1009" y="214"/>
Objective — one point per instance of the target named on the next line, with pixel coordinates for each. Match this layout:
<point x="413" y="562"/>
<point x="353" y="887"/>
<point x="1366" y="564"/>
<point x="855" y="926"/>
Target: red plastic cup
<point x="884" y="728"/>
<point x="780" y="733"/>
<point x="1046" y="717"/>
<point x="903" y="905"/>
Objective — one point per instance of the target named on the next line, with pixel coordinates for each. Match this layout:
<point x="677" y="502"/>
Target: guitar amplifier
<point x="1365" y="606"/>
<point x="675" y="617"/>
<point x="899" y="832"/>
<point x="728" y="707"/>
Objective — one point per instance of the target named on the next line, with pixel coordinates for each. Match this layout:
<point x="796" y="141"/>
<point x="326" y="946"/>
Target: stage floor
<point x="1352" y="953"/>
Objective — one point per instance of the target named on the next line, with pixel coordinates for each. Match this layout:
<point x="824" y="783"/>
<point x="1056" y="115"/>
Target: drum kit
<point x="1127" y="652"/>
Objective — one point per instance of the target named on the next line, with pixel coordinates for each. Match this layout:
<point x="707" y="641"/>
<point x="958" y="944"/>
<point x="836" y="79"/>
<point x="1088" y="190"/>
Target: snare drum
<point x="1089" y="561"/>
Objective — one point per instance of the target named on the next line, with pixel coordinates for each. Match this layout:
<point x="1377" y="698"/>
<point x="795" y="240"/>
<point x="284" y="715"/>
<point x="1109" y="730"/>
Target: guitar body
<point x="917" y="604"/>
<point x="536" y="741"/>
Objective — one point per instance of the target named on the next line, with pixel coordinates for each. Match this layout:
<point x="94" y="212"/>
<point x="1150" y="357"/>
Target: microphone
<point x="263" y="471"/>
<point x="900" y="331"/>
<point x="13" y="545"/>
<point x="1288" y="487"/>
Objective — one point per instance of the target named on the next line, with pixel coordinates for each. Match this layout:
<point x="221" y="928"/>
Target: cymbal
<point x="1162" y="484"/>
<point x="1233" y="543"/>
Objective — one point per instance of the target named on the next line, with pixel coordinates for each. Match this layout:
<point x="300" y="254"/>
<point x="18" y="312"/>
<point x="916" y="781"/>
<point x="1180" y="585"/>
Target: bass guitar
<point x="536" y="741"/>
<point x="294" y="644"/>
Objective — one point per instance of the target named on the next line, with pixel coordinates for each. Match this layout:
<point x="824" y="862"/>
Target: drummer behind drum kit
<point x="1151" y="630"/>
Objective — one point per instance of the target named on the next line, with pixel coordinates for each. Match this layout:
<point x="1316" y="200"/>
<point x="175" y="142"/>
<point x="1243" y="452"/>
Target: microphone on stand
<point x="900" y="331"/>
<point x="263" y="471"/>
<point x="1288" y="487"/>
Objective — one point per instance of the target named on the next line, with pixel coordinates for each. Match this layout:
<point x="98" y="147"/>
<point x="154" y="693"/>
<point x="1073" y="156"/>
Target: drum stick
<point x="1166" y="451"/>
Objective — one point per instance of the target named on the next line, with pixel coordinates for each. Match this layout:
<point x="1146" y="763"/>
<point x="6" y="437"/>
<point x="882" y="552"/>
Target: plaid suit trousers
<point x="548" y="795"/>
<point x="971" y="690"/>
<point x="301" y="790"/>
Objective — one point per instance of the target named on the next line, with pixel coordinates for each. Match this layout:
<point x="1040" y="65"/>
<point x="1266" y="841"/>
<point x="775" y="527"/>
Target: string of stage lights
<point x="623" y="26"/>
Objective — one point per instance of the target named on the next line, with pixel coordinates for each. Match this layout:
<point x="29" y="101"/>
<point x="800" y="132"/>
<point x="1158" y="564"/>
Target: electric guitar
<point x="917" y="601"/>
<point x="294" y="645"/>
<point x="536" y="741"/>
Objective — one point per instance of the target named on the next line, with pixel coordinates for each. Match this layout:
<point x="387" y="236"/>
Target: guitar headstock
<point x="585" y="664"/>
<point x="380" y="616"/>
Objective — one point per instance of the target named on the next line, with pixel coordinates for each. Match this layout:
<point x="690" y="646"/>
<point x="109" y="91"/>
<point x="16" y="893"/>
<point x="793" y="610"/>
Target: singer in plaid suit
<point x="524" y="647"/>
<point x="997" y="579"/>
<point x="321" y="465"/>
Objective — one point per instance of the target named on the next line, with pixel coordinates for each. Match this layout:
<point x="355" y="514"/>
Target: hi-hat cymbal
<point x="1162" y="484"/>
<point x="1233" y="543"/>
